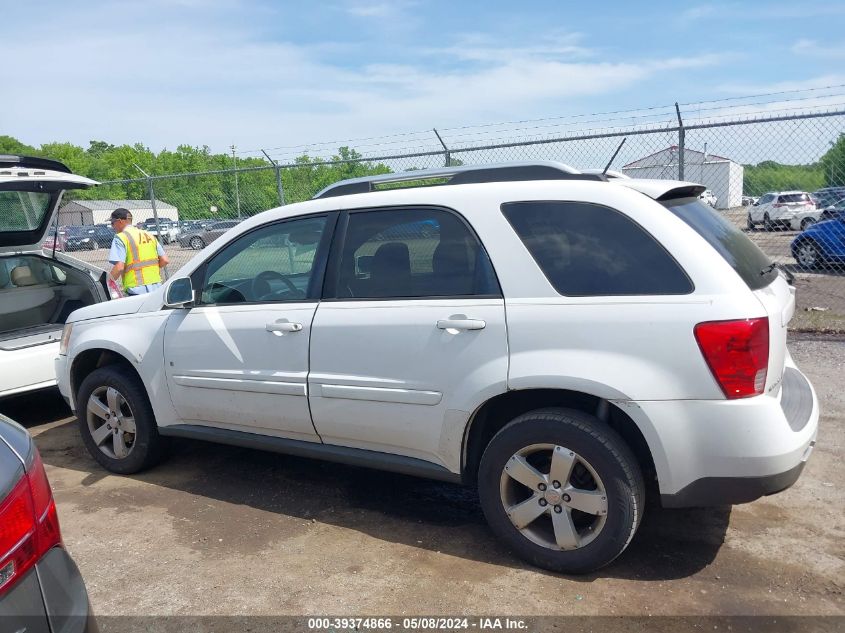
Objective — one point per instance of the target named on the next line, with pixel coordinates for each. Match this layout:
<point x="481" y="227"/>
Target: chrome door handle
<point x="284" y="326"/>
<point x="461" y="324"/>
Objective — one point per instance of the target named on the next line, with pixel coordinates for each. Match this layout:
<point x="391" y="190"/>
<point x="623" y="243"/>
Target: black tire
<point x="147" y="447"/>
<point x="749" y="223"/>
<point x="605" y="452"/>
<point x="94" y="246"/>
<point x="197" y="243"/>
<point x="806" y="223"/>
<point x="767" y="223"/>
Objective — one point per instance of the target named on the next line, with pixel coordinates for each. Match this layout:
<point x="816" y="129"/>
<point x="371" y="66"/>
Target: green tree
<point x="833" y="163"/>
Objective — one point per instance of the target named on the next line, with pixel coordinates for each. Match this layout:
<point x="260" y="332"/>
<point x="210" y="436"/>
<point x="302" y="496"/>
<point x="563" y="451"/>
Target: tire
<point x="807" y="254"/>
<point x="767" y="223"/>
<point x="197" y="243"/>
<point x="749" y="223"/>
<point x="806" y="223"/>
<point x="601" y="462"/>
<point x="144" y="446"/>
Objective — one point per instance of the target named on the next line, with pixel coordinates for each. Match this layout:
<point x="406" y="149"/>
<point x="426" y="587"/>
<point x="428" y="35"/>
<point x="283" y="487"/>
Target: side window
<point x="590" y="250"/>
<point x="412" y="253"/>
<point x="273" y="263"/>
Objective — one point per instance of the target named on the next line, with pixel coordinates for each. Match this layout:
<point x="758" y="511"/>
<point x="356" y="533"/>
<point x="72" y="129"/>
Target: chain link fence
<point x="779" y="177"/>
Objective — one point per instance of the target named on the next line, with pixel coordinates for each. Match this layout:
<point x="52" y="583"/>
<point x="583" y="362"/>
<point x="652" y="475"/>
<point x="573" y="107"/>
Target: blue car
<point x="822" y="243"/>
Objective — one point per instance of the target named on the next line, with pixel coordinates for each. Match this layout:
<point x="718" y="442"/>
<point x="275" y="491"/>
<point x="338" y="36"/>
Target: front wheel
<point x="116" y="420"/>
<point x="749" y="223"/>
<point x="562" y="489"/>
<point x="807" y="255"/>
<point x="197" y="244"/>
<point x="767" y="223"/>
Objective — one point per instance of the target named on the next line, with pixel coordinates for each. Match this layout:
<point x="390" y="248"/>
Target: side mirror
<point x="180" y="293"/>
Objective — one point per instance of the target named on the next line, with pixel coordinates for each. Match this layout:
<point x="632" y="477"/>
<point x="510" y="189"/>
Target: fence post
<point x="681" y="143"/>
<point x="446" y="153"/>
<point x="278" y="178"/>
<point x="152" y="191"/>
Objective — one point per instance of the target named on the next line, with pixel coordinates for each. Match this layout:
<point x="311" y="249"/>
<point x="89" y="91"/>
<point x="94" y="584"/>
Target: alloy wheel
<point x="111" y="422"/>
<point x="553" y="496"/>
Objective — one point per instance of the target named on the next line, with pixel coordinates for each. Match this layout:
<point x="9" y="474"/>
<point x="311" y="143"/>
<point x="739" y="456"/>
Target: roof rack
<point x="32" y="162"/>
<point x="501" y="172"/>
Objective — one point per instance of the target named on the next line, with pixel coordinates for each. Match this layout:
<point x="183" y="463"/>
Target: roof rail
<point x="32" y="162"/>
<point x="500" y="172"/>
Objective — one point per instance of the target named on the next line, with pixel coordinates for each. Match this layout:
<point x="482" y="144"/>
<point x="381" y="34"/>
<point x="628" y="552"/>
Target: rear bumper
<point x="50" y="599"/>
<point x="724" y="452"/>
<point x="27" y="369"/>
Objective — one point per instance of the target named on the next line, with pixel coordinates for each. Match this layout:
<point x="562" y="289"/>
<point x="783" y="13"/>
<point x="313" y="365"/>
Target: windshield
<point x="23" y="210"/>
<point x="744" y="256"/>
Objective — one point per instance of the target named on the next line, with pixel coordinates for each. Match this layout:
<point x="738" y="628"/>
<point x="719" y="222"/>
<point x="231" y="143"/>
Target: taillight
<point x="29" y="525"/>
<point x="737" y="353"/>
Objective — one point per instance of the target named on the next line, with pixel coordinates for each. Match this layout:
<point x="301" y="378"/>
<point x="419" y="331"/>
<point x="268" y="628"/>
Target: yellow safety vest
<point x="141" y="258"/>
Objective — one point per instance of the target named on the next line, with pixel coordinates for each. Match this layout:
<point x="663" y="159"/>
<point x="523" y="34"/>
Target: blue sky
<point x="269" y="74"/>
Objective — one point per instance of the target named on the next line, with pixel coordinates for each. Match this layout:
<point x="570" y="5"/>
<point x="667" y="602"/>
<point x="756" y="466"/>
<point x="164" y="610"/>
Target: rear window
<point x="744" y="256"/>
<point x="588" y="250"/>
<point x="23" y="210"/>
<point x="794" y="197"/>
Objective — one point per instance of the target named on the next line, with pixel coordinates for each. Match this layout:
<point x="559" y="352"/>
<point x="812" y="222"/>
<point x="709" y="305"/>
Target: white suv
<point x="564" y="342"/>
<point x="788" y="209"/>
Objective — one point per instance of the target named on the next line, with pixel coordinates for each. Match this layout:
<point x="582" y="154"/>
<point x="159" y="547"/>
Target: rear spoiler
<point x="662" y="190"/>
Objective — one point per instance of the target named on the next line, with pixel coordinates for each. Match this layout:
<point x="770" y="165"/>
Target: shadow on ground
<point x="416" y="512"/>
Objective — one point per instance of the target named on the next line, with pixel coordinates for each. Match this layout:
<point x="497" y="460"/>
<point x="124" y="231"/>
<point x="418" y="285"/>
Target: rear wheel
<point x="806" y="223"/>
<point x="116" y="420"/>
<point x="562" y="489"/>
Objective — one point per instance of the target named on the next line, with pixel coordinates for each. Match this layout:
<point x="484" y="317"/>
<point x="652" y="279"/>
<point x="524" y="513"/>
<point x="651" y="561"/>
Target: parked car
<point x="81" y="238"/>
<point x="747" y="201"/>
<point x="41" y="590"/>
<point x="709" y="197"/>
<point x="169" y="229"/>
<point x="38" y="289"/>
<point x="53" y="240"/>
<point x="201" y="238"/>
<point x="557" y="339"/>
<point x="828" y="196"/>
<point x="833" y="211"/>
<point x="786" y="209"/>
<point x="821" y="244"/>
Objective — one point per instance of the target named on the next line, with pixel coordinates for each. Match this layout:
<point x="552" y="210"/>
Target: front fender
<point x="139" y="339"/>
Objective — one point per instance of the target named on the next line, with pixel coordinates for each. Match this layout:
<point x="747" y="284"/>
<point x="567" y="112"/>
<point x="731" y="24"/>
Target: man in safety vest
<point x="136" y="256"/>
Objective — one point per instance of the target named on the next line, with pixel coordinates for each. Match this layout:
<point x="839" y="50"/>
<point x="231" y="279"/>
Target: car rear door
<point x="410" y="331"/>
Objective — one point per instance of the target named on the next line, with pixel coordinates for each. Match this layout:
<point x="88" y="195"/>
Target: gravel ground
<point x="222" y="530"/>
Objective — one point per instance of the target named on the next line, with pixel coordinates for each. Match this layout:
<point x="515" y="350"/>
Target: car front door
<point x="238" y="359"/>
<point x="410" y="331"/>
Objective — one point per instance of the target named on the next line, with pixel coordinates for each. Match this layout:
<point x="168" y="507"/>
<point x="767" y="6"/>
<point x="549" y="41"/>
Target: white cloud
<point x="812" y="48"/>
<point x="127" y="77"/>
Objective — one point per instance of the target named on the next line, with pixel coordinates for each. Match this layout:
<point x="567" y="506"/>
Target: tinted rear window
<point x="794" y="197"/>
<point x="744" y="256"/>
<point x="588" y="250"/>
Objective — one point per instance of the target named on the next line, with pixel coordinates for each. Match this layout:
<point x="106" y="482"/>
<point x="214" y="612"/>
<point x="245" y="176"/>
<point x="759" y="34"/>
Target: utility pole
<point x="237" y="193"/>
<point x="681" y="143"/>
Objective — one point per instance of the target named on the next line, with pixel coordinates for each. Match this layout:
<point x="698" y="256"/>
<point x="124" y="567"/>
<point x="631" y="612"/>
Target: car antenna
<point x="610" y="162"/>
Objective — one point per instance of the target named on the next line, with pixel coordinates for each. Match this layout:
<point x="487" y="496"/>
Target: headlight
<point x="65" y="339"/>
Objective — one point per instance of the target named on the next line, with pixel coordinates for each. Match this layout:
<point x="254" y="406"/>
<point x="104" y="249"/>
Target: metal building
<point x="721" y="175"/>
<point x="99" y="211"/>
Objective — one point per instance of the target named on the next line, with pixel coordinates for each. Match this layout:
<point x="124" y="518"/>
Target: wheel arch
<point x="88" y="360"/>
<point x="499" y="410"/>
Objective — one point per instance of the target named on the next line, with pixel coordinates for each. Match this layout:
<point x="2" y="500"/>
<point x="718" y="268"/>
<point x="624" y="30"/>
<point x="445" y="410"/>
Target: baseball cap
<point x="121" y="214"/>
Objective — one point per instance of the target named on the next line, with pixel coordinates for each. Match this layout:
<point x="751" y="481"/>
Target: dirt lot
<point x="221" y="530"/>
